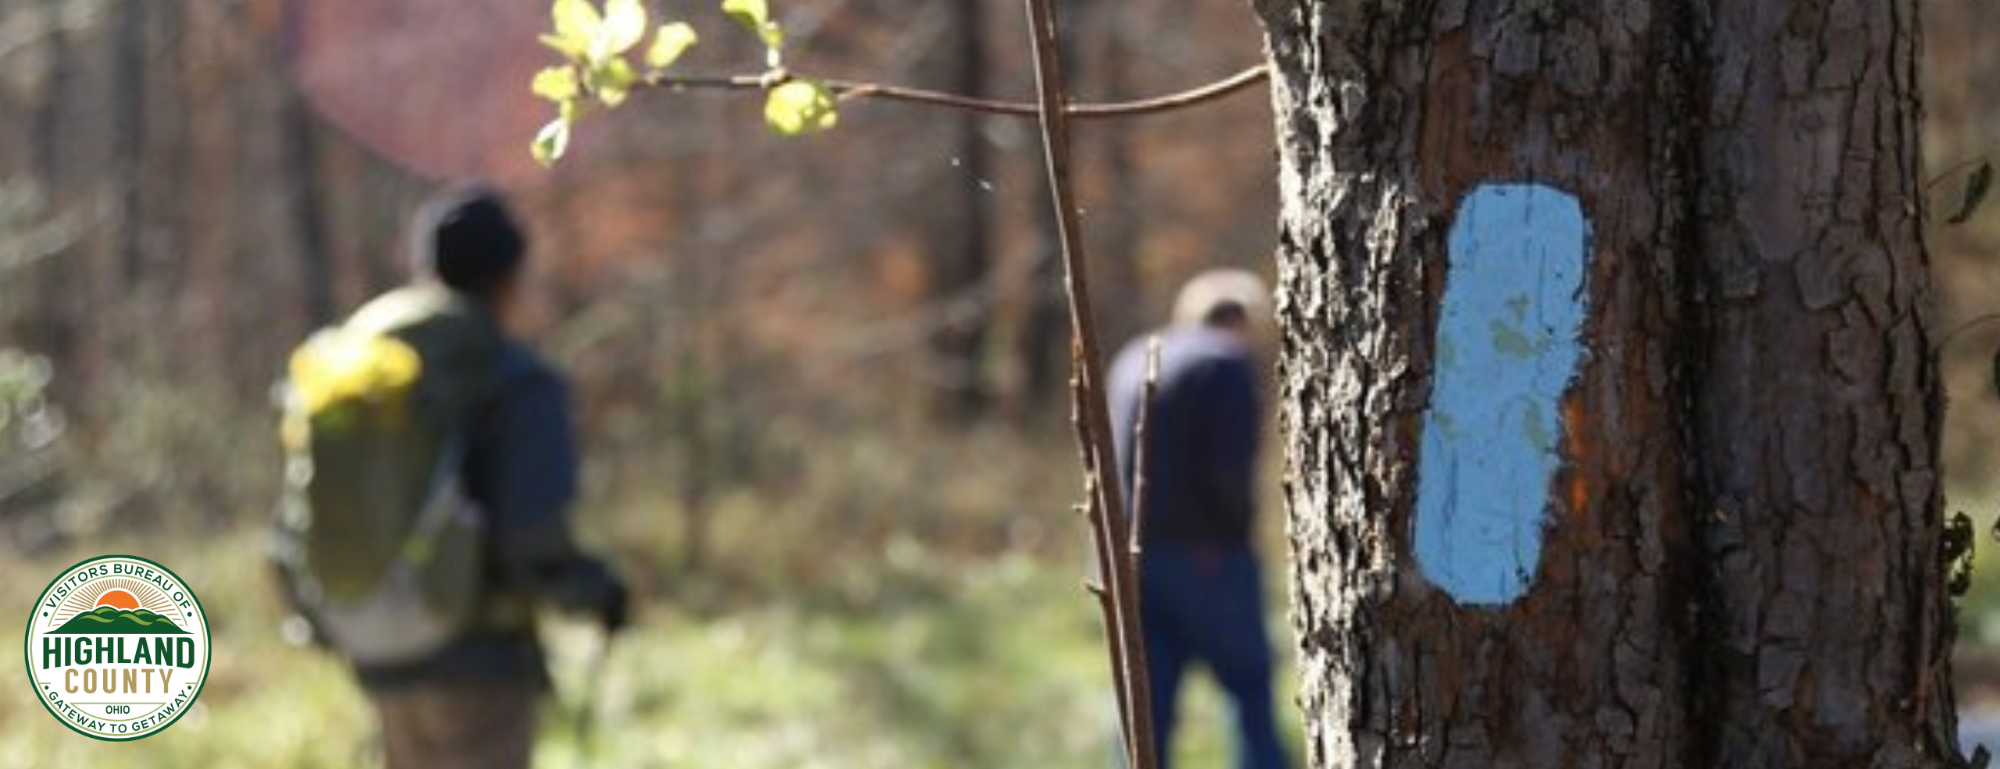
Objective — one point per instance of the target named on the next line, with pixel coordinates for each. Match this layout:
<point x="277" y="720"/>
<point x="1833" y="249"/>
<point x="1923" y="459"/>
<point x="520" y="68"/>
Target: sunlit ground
<point x="917" y="660"/>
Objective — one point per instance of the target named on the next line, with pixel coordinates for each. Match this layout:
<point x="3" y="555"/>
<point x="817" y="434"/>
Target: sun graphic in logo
<point x="117" y="599"/>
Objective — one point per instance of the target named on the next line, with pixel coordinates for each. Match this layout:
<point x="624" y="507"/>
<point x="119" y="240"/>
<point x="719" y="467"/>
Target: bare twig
<point x="1984" y="155"/>
<point x="1101" y="588"/>
<point x="1092" y="417"/>
<point x="1963" y="327"/>
<point x="1146" y="394"/>
<point x="853" y="89"/>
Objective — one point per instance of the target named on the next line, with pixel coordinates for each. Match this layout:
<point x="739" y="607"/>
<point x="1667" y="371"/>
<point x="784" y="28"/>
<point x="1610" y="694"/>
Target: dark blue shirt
<point x="1201" y="435"/>
<point x="522" y="469"/>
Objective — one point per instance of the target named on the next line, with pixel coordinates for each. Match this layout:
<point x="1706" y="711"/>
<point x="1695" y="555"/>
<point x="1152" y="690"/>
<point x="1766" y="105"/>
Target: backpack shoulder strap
<point x="446" y="499"/>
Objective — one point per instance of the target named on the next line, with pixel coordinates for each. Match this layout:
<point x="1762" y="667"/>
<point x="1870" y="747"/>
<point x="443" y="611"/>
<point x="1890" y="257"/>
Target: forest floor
<point x="915" y="660"/>
<point x="862" y="635"/>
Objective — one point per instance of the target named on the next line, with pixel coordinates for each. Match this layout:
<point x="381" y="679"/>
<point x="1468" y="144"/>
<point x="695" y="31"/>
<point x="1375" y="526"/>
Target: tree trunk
<point x="1110" y="176"/>
<point x="54" y="326"/>
<point x="308" y="210"/>
<point x="1816" y="399"/>
<point x="129" y="117"/>
<point x="960" y="233"/>
<point x="1610" y="423"/>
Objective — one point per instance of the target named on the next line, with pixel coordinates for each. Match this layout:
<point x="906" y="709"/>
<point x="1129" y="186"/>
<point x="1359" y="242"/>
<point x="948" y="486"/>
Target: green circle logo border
<point x="28" y="653"/>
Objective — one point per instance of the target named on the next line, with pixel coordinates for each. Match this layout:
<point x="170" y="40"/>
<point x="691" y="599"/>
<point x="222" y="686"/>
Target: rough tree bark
<point x="1817" y="402"/>
<point x="1738" y="561"/>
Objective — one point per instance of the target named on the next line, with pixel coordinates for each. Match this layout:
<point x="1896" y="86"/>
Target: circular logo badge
<point x="117" y="647"/>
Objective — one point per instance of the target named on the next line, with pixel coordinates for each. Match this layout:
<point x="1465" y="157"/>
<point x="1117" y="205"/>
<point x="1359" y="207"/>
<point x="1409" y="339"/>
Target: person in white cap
<point x="1200" y="586"/>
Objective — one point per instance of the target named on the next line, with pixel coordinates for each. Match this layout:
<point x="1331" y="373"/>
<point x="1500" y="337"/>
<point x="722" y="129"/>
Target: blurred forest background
<point x="819" y="380"/>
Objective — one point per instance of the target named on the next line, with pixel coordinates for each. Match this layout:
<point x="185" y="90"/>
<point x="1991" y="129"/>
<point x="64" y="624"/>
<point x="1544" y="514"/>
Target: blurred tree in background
<point x="811" y="392"/>
<point x="225" y="200"/>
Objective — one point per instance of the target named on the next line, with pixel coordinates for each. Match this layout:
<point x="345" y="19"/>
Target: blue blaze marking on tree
<point x="1508" y="346"/>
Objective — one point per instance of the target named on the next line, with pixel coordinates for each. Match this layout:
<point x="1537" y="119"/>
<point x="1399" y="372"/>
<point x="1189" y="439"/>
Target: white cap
<point x="1211" y="290"/>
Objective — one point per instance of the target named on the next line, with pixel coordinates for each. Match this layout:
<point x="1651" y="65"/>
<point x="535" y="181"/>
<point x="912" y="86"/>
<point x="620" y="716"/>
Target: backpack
<point x="378" y="543"/>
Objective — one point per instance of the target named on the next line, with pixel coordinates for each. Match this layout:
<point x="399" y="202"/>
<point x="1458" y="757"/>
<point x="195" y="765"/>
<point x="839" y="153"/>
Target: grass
<point x="916" y="658"/>
<point x="872" y="606"/>
<point x="265" y="704"/>
<point x="877" y="608"/>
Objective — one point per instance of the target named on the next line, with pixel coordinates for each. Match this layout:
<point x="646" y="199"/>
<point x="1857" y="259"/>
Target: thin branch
<point x="1099" y="585"/>
<point x="856" y="89"/>
<point x="1174" y="101"/>
<point x="1107" y="593"/>
<point x="1093" y="417"/>
<point x="1146" y="393"/>
<point x="1945" y="175"/>
<point x="1963" y="327"/>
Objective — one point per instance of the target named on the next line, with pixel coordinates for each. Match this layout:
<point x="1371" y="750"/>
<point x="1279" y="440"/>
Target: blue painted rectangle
<point x="1508" y="346"/>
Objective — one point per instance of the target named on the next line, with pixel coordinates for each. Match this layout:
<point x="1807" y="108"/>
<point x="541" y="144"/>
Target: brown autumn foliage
<point x="190" y="185"/>
<point x="222" y="176"/>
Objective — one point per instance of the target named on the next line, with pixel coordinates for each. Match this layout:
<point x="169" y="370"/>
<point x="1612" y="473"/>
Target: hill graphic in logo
<point x="111" y="619"/>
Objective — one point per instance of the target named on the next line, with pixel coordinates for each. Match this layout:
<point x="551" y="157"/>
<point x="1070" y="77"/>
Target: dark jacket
<point x="521" y="468"/>
<point x="1201" y="436"/>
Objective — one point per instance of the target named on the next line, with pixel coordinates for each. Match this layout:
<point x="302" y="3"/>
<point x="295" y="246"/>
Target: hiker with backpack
<point x="430" y="469"/>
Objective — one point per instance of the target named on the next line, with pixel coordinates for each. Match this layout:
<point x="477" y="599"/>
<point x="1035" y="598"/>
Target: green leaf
<point x="557" y="84"/>
<point x="624" y="26"/>
<point x="551" y="142"/>
<point x="1976" y="187"/>
<point x="612" y="80"/>
<point x="669" y="43"/>
<point x="752" y="14"/>
<point x="570" y="49"/>
<point x="800" y="107"/>
<point x="577" y="25"/>
<point x="755" y="15"/>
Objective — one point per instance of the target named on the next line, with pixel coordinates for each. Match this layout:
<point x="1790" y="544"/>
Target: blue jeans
<point x="1205" y="604"/>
